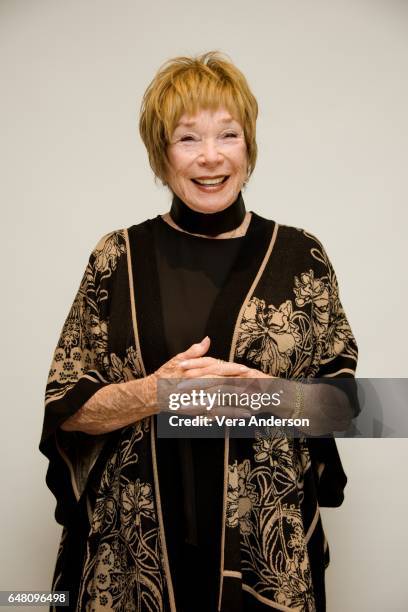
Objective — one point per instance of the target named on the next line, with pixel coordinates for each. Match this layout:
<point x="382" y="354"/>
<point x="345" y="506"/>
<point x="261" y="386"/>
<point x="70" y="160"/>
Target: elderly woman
<point x="207" y="289"/>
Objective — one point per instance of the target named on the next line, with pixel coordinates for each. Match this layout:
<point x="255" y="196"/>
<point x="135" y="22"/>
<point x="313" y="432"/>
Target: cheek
<point x="241" y="161"/>
<point x="175" y="168"/>
<point x="180" y="166"/>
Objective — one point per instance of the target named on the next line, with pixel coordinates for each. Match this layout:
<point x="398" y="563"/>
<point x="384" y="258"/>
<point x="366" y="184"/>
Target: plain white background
<point x="331" y="81"/>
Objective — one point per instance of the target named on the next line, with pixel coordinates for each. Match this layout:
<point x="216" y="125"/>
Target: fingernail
<point x="206" y="338"/>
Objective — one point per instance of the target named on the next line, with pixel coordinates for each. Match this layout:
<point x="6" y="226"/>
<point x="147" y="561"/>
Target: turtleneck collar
<point x="208" y="224"/>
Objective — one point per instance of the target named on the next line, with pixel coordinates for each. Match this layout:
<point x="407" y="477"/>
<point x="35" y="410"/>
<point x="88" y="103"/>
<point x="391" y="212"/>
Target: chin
<point x="209" y="208"/>
<point x="211" y="203"/>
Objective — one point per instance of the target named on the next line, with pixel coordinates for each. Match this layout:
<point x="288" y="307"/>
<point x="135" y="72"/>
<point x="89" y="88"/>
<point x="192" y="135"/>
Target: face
<point x="208" y="160"/>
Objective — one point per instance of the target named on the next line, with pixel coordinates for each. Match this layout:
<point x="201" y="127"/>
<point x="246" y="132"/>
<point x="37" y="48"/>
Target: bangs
<point x="195" y="92"/>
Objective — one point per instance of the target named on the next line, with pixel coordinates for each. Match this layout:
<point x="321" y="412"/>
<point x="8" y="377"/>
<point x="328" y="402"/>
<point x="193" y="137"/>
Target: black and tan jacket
<point x="280" y="312"/>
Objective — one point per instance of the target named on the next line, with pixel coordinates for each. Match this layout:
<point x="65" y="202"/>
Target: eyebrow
<point x="191" y="122"/>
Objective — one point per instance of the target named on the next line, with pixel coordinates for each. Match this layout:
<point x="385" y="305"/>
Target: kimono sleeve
<point x="336" y="356"/>
<point x="77" y="371"/>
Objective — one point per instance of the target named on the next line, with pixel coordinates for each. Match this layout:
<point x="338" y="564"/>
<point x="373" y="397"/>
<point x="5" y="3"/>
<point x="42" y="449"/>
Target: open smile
<point x="211" y="183"/>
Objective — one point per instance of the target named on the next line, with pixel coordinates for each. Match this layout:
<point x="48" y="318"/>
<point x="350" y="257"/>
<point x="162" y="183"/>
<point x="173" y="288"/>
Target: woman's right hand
<point x="120" y="404"/>
<point x="172" y="369"/>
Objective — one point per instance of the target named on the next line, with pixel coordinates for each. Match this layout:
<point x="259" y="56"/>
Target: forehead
<point x="220" y="117"/>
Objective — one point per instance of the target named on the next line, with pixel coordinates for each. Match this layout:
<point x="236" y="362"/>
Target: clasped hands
<point x="193" y="364"/>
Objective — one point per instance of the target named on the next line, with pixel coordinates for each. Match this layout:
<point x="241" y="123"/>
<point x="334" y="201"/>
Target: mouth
<point x="210" y="183"/>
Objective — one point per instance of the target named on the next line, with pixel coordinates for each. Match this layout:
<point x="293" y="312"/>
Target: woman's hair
<point x="187" y="85"/>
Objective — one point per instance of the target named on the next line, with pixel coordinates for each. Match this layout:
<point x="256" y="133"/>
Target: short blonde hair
<point x="187" y="85"/>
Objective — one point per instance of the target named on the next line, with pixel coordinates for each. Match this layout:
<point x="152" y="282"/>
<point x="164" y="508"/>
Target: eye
<point x="230" y="135"/>
<point x="186" y="139"/>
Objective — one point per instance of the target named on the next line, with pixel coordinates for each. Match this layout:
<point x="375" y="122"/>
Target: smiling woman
<point x="207" y="289"/>
<point x="207" y="160"/>
<point x="207" y="156"/>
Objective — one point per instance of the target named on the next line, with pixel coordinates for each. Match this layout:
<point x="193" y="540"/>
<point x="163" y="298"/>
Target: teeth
<point x="215" y="181"/>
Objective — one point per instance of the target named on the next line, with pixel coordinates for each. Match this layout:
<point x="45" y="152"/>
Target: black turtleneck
<point x="209" y="224"/>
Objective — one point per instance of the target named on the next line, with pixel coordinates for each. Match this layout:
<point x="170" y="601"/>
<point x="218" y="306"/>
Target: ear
<point x="248" y="174"/>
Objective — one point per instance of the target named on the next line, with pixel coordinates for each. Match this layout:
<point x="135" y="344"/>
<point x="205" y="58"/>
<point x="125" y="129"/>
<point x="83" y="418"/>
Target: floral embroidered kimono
<point x="279" y="311"/>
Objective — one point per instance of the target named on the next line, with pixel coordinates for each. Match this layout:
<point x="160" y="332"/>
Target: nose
<point x="210" y="153"/>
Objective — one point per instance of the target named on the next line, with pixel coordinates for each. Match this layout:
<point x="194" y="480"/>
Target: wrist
<point x="150" y="390"/>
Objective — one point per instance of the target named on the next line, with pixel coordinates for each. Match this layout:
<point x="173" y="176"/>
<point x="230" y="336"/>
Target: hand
<point x="172" y="369"/>
<point x="209" y="367"/>
<point x="192" y="364"/>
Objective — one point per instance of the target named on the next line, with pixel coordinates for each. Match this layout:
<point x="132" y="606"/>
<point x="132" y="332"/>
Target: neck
<point x="208" y="224"/>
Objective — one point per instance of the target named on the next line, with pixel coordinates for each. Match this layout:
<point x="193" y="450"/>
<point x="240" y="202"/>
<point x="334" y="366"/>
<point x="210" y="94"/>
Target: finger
<point x="198" y="373"/>
<point x="195" y="350"/>
<point x="217" y="369"/>
<point x="198" y="362"/>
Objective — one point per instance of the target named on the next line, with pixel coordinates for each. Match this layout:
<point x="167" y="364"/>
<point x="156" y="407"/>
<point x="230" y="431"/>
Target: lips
<point x="210" y="180"/>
